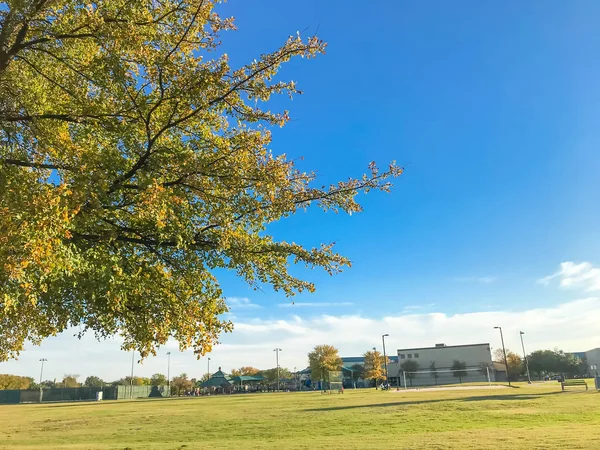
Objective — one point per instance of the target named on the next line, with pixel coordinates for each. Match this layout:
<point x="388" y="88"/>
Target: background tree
<point x="181" y="384"/>
<point x="8" y="381"/>
<point x="93" y="381"/>
<point x="271" y="374"/>
<point x="204" y="378"/>
<point x="70" y="381"/>
<point x="515" y="365"/>
<point x="134" y="163"/>
<point x="158" y="379"/>
<point x="374" y="367"/>
<point x="409" y="366"/>
<point x="485" y="369"/>
<point x="458" y="369"/>
<point x="248" y="370"/>
<point x="323" y="359"/>
<point x="498" y="355"/>
<point x="236" y="372"/>
<point x="433" y="371"/>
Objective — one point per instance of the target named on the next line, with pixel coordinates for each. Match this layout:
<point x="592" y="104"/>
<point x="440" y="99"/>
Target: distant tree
<point x="374" y="366"/>
<point x="433" y="371"/>
<point x="8" y="381"/>
<point x="248" y="370"/>
<point x="137" y="381"/>
<point x="236" y="372"/>
<point x="158" y="379"/>
<point x="409" y="366"/>
<point x="322" y="359"/>
<point x="70" y="381"/>
<point x="498" y="355"/>
<point x="542" y="363"/>
<point x="93" y="381"/>
<point x="515" y="365"/>
<point x="271" y="374"/>
<point x="204" y="377"/>
<point x="181" y="384"/>
<point x="458" y="369"/>
<point x="49" y="384"/>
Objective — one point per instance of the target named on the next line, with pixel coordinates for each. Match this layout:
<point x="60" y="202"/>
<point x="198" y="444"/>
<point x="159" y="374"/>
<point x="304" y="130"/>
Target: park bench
<point x="573" y="382"/>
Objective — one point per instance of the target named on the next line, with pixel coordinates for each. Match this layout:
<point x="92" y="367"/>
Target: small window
<point x="402" y="356"/>
<point x="409" y="355"/>
<point x="416" y="355"/>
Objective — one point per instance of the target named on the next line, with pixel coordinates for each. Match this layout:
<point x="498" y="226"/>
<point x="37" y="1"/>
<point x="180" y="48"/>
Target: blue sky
<point x="493" y="109"/>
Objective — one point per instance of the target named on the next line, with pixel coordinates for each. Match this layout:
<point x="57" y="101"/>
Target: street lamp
<point x="42" y="360"/>
<point x="504" y="351"/>
<point x="169" y="372"/>
<point x="277" y="350"/>
<point x="525" y="356"/>
<point x="383" y="336"/>
<point x="208" y="367"/>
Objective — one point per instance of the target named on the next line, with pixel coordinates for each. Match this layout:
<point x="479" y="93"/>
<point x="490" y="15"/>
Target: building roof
<point x="440" y="347"/>
<point x="350" y="360"/>
<point x="243" y="378"/>
<point x="217" y="379"/>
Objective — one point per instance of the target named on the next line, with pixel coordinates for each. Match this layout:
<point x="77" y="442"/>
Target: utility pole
<point x="385" y="357"/>
<point x="504" y="351"/>
<point x="42" y="360"/>
<point x="277" y="350"/>
<point x="525" y="356"/>
<point x="208" y="367"/>
<point x="169" y="372"/>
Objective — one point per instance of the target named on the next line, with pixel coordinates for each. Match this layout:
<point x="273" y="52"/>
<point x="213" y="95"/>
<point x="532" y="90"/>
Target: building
<point x="433" y="365"/>
<point x="592" y="358"/>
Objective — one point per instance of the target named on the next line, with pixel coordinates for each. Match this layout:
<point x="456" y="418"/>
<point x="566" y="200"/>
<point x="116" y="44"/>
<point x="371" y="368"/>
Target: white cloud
<point x="570" y="326"/>
<point x="313" y="304"/>
<point x="241" y="303"/>
<point x="584" y="276"/>
<point x="482" y="280"/>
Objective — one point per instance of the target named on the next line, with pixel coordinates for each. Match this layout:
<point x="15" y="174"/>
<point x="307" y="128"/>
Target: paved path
<point x="452" y="388"/>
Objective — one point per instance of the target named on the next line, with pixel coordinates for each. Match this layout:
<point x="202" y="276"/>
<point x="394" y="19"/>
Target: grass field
<point x="524" y="417"/>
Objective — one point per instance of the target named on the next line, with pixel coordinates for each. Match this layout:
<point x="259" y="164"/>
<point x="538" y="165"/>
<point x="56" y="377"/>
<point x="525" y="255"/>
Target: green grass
<point x="524" y="417"/>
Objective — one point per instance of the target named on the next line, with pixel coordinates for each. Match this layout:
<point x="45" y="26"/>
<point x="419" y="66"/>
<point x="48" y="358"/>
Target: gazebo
<point x="218" y="382"/>
<point x="246" y="383"/>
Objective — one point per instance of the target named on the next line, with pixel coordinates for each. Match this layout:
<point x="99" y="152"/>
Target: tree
<point x="433" y="371"/>
<point x="248" y="370"/>
<point x="8" y="381"/>
<point x="498" y="355"/>
<point x="458" y="369"/>
<point x="515" y="365"/>
<point x="134" y="164"/>
<point x="181" y="384"/>
<point x="409" y="366"/>
<point x="323" y="358"/>
<point x="204" y="377"/>
<point x="358" y="372"/>
<point x="484" y="369"/>
<point x="158" y="379"/>
<point x="93" y="381"/>
<point x="70" y="381"/>
<point x="271" y="374"/>
<point x="374" y="367"/>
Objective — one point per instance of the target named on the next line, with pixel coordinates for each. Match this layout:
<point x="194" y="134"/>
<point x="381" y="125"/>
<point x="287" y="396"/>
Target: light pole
<point x="374" y="356"/>
<point x="383" y="336"/>
<point x="208" y="367"/>
<point x="277" y="350"/>
<point x="525" y="356"/>
<point x="169" y="372"/>
<point x="504" y="351"/>
<point x="42" y="360"/>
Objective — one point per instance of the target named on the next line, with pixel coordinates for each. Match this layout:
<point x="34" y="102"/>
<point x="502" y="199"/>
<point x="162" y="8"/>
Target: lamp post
<point x="169" y="372"/>
<point x="208" y="367"/>
<point x="385" y="357"/>
<point x="42" y="360"/>
<point x="374" y="355"/>
<point x="504" y="351"/>
<point x="525" y="356"/>
<point x="277" y="350"/>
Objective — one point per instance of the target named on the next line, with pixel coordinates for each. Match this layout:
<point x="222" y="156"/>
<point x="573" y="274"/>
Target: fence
<point x="81" y="394"/>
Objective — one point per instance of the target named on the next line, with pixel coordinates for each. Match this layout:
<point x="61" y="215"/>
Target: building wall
<point x="593" y="357"/>
<point x="472" y="355"/>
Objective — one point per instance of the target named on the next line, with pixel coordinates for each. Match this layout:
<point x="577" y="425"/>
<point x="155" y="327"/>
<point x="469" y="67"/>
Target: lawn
<point x="523" y="417"/>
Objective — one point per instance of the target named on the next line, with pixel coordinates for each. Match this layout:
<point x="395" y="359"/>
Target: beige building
<point x="434" y="365"/>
